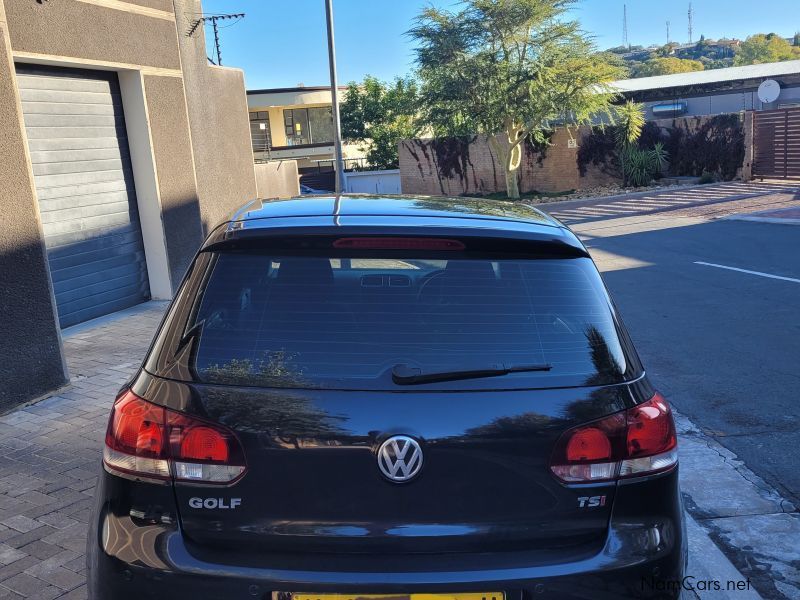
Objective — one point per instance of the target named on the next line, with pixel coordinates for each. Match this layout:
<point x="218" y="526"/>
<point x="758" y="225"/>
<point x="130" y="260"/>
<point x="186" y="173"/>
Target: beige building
<point x="295" y="123"/>
<point x="120" y="146"/>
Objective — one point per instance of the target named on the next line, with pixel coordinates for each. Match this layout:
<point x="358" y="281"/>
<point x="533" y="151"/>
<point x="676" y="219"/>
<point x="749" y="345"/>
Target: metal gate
<point x="776" y="143"/>
<point x="84" y="183"/>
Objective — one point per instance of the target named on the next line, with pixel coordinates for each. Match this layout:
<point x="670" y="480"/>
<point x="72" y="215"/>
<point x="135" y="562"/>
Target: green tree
<point x="668" y="66"/>
<point x="510" y="68"/>
<point x="796" y="39"/>
<point x="615" y="60"/>
<point x="666" y="50"/>
<point x="765" y="48"/>
<point x="378" y="115"/>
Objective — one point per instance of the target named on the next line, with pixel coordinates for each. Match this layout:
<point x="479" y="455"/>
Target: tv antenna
<point x="213" y="20"/>
<point x="691" y="14"/>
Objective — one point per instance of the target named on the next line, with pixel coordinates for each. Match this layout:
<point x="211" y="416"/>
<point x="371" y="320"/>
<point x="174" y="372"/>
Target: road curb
<point x="774" y="220"/>
<point x="726" y="500"/>
<point x="707" y="563"/>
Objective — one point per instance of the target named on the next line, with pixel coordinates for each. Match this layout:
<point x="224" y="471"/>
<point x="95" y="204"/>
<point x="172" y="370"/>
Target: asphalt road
<point x="723" y="345"/>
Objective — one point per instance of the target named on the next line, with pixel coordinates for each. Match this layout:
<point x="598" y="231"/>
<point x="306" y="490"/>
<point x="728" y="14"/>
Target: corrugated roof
<point x="789" y="67"/>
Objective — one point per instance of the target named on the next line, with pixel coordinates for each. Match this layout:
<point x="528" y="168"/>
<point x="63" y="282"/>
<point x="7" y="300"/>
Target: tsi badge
<point x="591" y="501"/>
<point x="215" y="503"/>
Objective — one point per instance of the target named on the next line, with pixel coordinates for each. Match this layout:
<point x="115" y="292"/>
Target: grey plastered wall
<point x="277" y="179"/>
<point x="157" y="4"/>
<point x="30" y="349"/>
<point x="90" y="32"/>
<point x="172" y="151"/>
<point x="217" y="105"/>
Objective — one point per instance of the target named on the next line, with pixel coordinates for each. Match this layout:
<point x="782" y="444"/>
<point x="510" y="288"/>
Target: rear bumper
<point x="644" y="556"/>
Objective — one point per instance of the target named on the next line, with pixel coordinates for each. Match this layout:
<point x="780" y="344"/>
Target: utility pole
<point x="668" y="38"/>
<point x="213" y="19"/>
<point x="690" y="22"/>
<point x="625" y="42"/>
<point x="337" y="126"/>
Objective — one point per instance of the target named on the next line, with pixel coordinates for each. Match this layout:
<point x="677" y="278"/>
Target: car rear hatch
<point x="312" y="362"/>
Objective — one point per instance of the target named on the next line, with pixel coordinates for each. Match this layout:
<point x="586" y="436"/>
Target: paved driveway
<point x="50" y="455"/>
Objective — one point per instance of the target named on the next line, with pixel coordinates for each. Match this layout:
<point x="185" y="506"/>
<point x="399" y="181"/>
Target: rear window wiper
<point x="403" y="374"/>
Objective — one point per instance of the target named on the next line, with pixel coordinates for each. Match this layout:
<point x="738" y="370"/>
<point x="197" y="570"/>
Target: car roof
<point x="396" y="206"/>
<point x="387" y="215"/>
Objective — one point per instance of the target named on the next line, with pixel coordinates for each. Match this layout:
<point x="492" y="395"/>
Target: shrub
<point x="707" y="177"/>
<point x="716" y="146"/>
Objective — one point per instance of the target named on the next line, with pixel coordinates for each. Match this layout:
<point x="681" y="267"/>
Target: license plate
<point x="465" y="596"/>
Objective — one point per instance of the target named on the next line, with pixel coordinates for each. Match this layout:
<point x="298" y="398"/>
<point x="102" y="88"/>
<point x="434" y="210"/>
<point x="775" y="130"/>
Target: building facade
<point x="295" y="123"/>
<point x="713" y="92"/>
<point x="120" y="147"/>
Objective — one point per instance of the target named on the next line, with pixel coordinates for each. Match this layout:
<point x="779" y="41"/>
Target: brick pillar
<point x="747" y="166"/>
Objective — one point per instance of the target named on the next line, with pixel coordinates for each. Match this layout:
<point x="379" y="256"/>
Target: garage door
<point x="82" y="170"/>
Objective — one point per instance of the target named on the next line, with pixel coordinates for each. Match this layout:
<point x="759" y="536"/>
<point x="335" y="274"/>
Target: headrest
<point x="305" y="271"/>
<point x="470" y="271"/>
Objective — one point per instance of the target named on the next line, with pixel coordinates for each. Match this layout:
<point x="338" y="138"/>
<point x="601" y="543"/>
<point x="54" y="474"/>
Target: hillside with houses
<point x="705" y="54"/>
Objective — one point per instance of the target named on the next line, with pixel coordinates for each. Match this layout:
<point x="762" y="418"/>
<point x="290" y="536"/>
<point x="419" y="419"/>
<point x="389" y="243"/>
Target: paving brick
<point x="21" y="524"/>
<point x="58" y="560"/>
<point x="40" y="549"/>
<point x="26" y="538"/>
<point x="60" y="577"/>
<point x="9" y="555"/>
<point x="7" y="594"/>
<point x="47" y="593"/>
<point x="24" y="584"/>
<point x="57" y="520"/>
<point x="18" y="566"/>
<point x="79" y="593"/>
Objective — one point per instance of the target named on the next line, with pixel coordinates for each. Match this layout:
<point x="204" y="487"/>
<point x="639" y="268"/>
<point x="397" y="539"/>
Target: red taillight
<point x="204" y="443"/>
<point x="397" y="243"/>
<point x="152" y="441"/>
<point x="588" y="444"/>
<point x="635" y="442"/>
<point x="650" y="428"/>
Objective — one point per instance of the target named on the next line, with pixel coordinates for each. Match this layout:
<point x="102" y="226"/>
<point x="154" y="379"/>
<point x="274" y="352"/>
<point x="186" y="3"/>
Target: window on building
<point x="308" y="125"/>
<point x="259" y="131"/>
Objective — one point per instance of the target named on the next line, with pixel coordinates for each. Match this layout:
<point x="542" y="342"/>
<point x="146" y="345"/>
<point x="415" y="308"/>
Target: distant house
<point x="713" y="92"/>
<point x="294" y="123"/>
<point x="714" y="49"/>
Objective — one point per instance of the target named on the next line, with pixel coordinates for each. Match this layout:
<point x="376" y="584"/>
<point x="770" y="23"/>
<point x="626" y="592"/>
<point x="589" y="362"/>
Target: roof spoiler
<point x="294" y="239"/>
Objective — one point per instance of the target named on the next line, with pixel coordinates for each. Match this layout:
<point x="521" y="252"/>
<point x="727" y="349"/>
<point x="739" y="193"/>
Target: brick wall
<point x="473" y="168"/>
<point x="446" y="168"/>
<point x="713" y="143"/>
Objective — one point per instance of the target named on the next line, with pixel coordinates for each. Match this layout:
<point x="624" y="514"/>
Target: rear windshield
<point x="348" y="323"/>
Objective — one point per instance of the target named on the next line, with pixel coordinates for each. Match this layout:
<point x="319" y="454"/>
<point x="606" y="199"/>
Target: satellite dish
<point x="768" y="91"/>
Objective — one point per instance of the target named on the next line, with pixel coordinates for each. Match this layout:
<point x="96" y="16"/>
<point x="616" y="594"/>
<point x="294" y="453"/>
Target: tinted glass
<point x="320" y="123"/>
<point x="345" y="323"/>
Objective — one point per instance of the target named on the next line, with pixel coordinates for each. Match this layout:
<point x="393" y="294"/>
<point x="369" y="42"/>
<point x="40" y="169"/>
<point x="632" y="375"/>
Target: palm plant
<point x="639" y="165"/>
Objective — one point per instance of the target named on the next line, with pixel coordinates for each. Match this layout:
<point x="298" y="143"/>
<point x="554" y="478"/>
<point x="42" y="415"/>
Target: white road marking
<point x="759" y="273"/>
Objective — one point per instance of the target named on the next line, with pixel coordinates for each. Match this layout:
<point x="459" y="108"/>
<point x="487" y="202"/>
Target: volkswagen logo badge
<point x="400" y="458"/>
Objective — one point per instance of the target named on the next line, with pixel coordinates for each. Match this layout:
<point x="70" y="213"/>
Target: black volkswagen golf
<point x="363" y="397"/>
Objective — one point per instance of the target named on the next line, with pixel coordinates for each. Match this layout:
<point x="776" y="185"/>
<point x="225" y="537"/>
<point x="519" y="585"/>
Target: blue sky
<point x="281" y="43"/>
